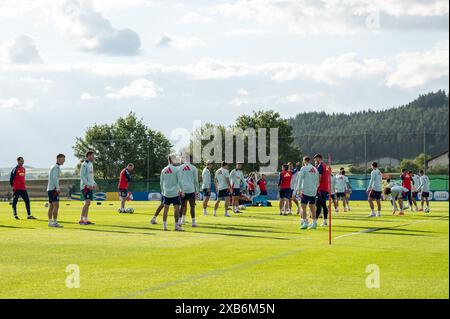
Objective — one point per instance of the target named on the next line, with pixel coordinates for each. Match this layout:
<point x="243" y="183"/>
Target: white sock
<point x="373" y="211"/>
<point x="204" y="210"/>
<point x="193" y="220"/>
<point x="165" y="224"/>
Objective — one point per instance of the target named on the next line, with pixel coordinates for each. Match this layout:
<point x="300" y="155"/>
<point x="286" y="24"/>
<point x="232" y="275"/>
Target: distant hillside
<point x="395" y="132"/>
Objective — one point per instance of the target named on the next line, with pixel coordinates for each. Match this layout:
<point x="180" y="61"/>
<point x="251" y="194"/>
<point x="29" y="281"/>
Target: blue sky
<point x="67" y="64"/>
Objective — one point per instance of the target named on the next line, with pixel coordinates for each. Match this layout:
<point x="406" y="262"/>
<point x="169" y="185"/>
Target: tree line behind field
<point x="395" y="133"/>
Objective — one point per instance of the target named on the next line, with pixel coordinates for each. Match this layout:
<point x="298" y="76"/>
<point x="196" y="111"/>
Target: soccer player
<point x="18" y="184"/>
<point x="424" y="188"/>
<point x="396" y="191"/>
<point x="415" y="179"/>
<point x="333" y="192"/>
<point x="170" y="183"/>
<point x="341" y="187"/>
<point x="374" y="189"/>
<point x="284" y="185"/>
<point x="236" y="178"/>
<point x="223" y="187"/>
<point x="87" y="186"/>
<point x="251" y="184"/>
<point x="406" y="183"/>
<point x="189" y="189"/>
<point x="348" y="192"/>
<point x="206" y="185"/>
<point x="262" y="184"/>
<point x="307" y="185"/>
<point x="124" y="180"/>
<point x="292" y="196"/>
<point x="323" y="189"/>
<point x="158" y="210"/>
<point x="53" y="191"/>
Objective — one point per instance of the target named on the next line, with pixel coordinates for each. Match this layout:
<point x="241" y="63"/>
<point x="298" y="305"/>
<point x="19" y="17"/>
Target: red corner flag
<point x="329" y="199"/>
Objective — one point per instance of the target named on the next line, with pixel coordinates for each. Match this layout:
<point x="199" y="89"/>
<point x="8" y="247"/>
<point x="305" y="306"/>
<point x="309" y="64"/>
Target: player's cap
<point x="208" y="162"/>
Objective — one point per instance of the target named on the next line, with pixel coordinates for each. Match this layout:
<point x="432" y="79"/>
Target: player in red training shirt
<point x="124" y="180"/>
<point x="323" y="189"/>
<point x="17" y="181"/>
<point x="406" y="183"/>
<point x="284" y="184"/>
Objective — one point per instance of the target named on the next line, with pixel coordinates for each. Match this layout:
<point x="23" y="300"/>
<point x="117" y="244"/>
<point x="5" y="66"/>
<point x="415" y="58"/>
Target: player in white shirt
<point x="206" y="185"/>
<point x="236" y="179"/>
<point x="333" y="192"/>
<point x="415" y="181"/>
<point x="375" y="189"/>
<point x="293" y="197"/>
<point x="223" y="187"/>
<point x="424" y="188"/>
<point x="396" y="191"/>
<point x="340" y="189"/>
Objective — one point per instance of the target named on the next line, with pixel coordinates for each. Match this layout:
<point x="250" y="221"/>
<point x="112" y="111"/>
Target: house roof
<point x="439" y="155"/>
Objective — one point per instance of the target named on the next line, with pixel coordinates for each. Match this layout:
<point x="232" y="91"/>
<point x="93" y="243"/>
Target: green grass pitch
<point x="257" y="254"/>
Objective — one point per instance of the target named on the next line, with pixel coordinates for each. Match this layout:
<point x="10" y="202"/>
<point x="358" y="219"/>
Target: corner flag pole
<point x="329" y="199"/>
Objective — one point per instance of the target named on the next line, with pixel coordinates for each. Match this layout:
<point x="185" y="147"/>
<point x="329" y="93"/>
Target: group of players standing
<point x="305" y="185"/>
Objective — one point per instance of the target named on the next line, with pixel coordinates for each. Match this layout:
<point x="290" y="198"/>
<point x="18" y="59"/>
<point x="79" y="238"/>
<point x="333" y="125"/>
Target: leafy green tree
<point x="128" y="140"/>
<point x="409" y="165"/>
<point x="261" y="119"/>
<point x="287" y="150"/>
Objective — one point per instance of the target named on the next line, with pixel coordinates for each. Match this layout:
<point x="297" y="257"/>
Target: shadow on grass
<point x="253" y="230"/>
<point x="112" y="231"/>
<point x="15" y="227"/>
<point x="404" y="230"/>
<point x="239" y="235"/>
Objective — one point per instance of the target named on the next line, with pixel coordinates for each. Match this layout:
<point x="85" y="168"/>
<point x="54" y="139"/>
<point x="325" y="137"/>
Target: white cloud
<point x="196" y="18"/>
<point x="248" y="32"/>
<point x="95" y="32"/>
<point x="300" y="98"/>
<point x="342" y="17"/>
<point x="21" y="50"/>
<point x="15" y="104"/>
<point x="417" y="68"/>
<point x="179" y="43"/>
<point x="89" y="97"/>
<point x="242" y="92"/>
<point x="330" y="71"/>
<point x="140" y="88"/>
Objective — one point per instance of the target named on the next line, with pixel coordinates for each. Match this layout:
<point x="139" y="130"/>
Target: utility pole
<point x="424" y="149"/>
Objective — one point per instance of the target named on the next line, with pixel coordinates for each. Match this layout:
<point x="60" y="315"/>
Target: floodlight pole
<point x="365" y="159"/>
<point x="148" y="164"/>
<point x="424" y="149"/>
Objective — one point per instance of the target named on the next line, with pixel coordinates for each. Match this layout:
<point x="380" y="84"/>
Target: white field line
<point x="371" y="230"/>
